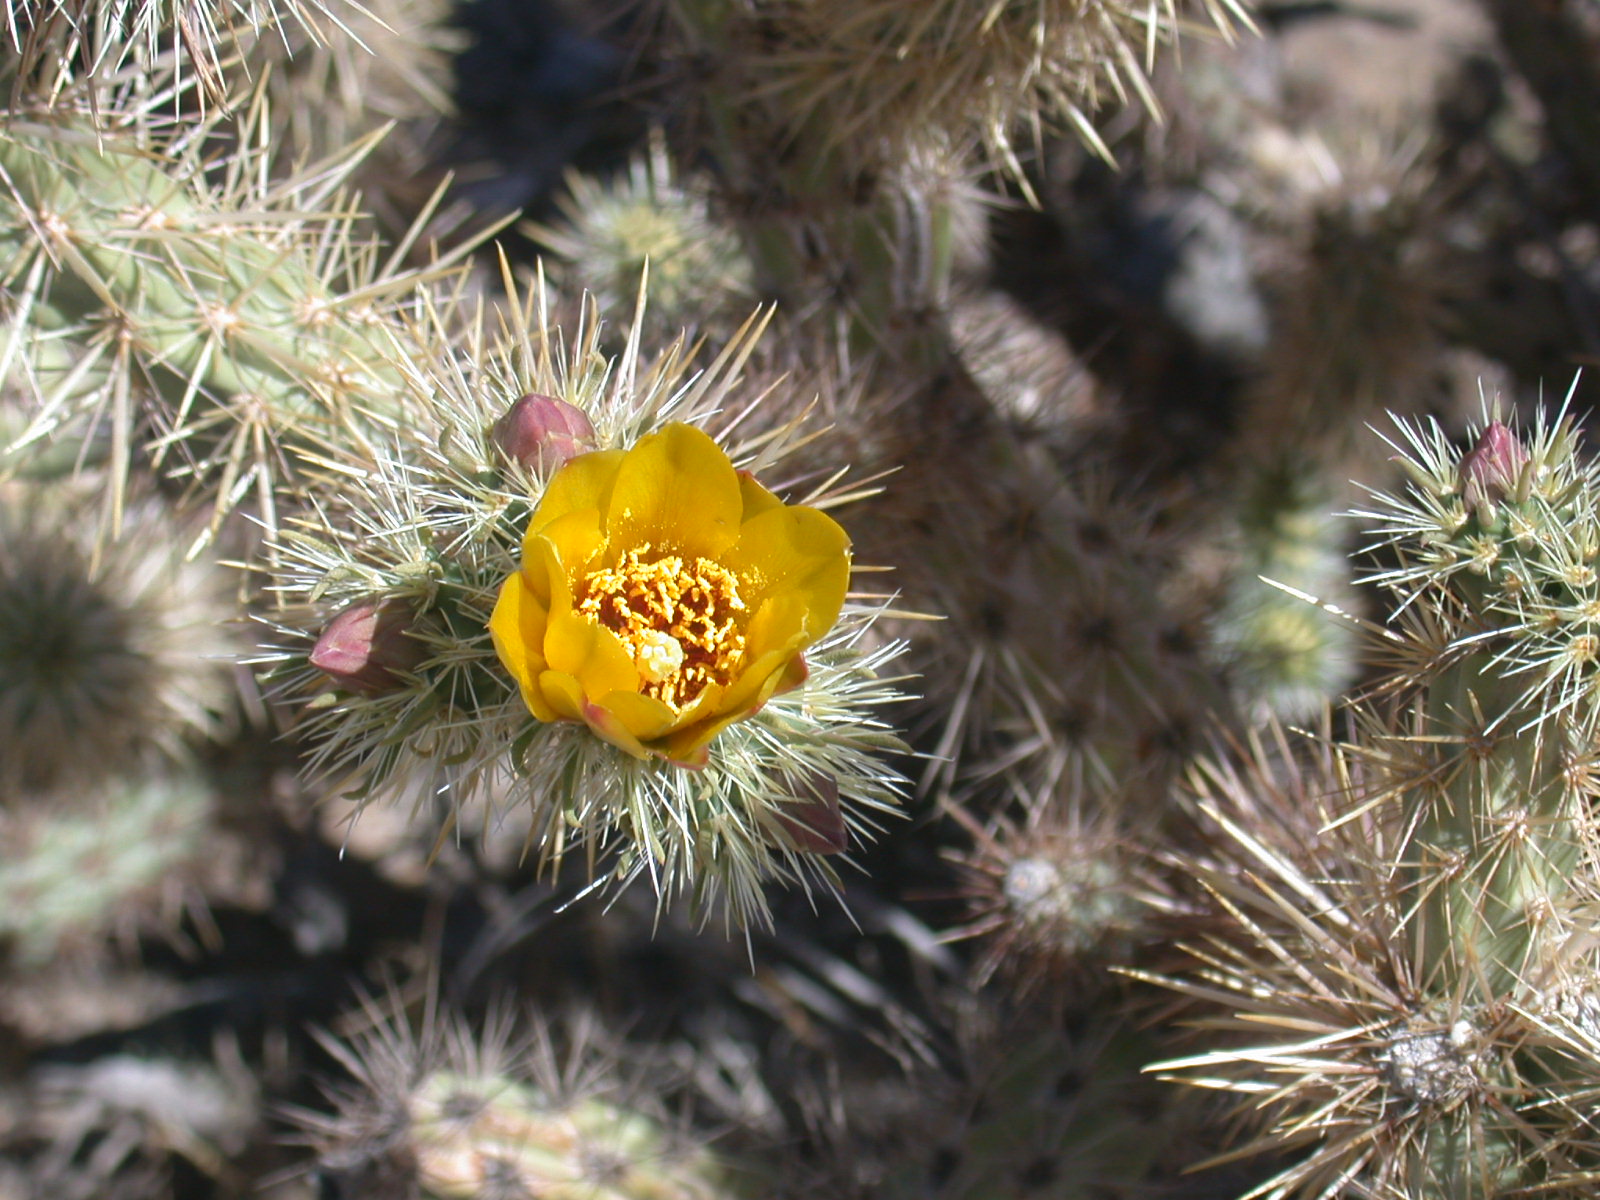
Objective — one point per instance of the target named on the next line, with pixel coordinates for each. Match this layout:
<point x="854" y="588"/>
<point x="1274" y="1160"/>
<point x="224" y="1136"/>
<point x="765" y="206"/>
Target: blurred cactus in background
<point x="112" y="649"/>
<point x="457" y="1113"/>
<point x="70" y="873"/>
<point x="493" y="491"/>
<point x="645" y="224"/>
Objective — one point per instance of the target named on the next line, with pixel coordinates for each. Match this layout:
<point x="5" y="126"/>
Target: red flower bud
<point x="541" y="432"/>
<point x="1490" y="471"/>
<point x="365" y="645"/>
<point x="812" y="822"/>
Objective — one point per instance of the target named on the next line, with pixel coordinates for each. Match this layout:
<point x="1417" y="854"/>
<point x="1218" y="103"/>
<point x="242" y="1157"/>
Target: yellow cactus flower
<point x="665" y="595"/>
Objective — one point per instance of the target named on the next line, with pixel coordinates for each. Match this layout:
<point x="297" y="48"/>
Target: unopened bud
<point x="364" y="647"/>
<point x="541" y="432"/>
<point x="1490" y="471"/>
<point x="812" y="821"/>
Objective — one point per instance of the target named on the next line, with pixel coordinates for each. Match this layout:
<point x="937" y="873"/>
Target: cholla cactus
<point x="663" y="690"/>
<point x="220" y="315"/>
<point x="612" y="231"/>
<point x="115" y="1128"/>
<point x="1407" y="908"/>
<point x="1361" y="300"/>
<point x="1057" y="895"/>
<point x="47" y="374"/>
<point x="59" y="41"/>
<point x="384" y="67"/>
<point x="822" y="120"/>
<point x="1026" y="370"/>
<point x="455" y="1113"/>
<point x="1021" y="1111"/>
<point x="112" y="649"/>
<point x="388" y="63"/>
<point x="111" y="862"/>
<point x="1286" y="658"/>
<point x="871" y="77"/>
<point x="1068" y="665"/>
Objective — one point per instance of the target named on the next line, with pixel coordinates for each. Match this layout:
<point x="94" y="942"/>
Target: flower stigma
<point x="676" y="619"/>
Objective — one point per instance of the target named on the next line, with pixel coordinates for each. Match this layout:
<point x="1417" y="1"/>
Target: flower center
<point x="678" y="620"/>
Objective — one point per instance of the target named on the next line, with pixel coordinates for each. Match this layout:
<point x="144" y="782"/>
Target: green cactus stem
<point x="251" y="312"/>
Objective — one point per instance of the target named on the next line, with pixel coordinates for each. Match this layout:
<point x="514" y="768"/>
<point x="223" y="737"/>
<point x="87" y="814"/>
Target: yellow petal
<point x="779" y="624"/>
<point x="568" y="698"/>
<point x="758" y="684"/>
<point x="688" y="745"/>
<point x="584" y="482"/>
<point x="546" y="575"/>
<point x="576" y="540"/>
<point x="704" y="707"/>
<point x="756" y="498"/>
<point x="795" y="672"/>
<point x="677" y="491"/>
<point x="590" y="653"/>
<point x="568" y="518"/>
<point x="517" y="627"/>
<point x="794" y="551"/>
<point x="693" y="756"/>
<point x="563" y="695"/>
<point x="613" y="729"/>
<point x="643" y="716"/>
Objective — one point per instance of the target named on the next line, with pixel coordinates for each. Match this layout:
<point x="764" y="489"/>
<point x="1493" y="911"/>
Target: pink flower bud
<point x="365" y="645"/>
<point x="541" y="432"/>
<point x="1491" y="470"/>
<point x="812" y="822"/>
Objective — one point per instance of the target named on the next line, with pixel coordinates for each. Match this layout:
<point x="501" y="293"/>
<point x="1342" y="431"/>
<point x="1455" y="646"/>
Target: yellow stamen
<point x="677" y="620"/>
